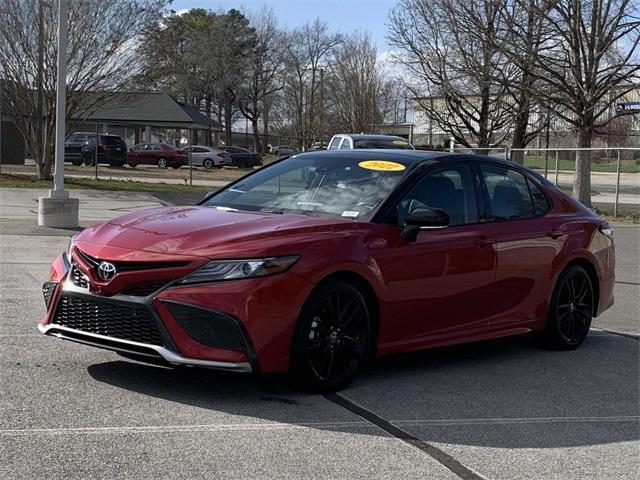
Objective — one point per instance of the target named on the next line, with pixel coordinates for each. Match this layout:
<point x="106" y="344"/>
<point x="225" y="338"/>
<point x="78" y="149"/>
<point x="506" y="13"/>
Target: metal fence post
<point x="615" y="205"/>
<point x="96" y="152"/>
<point x="190" y="158"/>
<point x="556" y="168"/>
<point x="546" y="163"/>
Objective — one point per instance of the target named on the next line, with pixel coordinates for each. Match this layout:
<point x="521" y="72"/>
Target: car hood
<point x="212" y="232"/>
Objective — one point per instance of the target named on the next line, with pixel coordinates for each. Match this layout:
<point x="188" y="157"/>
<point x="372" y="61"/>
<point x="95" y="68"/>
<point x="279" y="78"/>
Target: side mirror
<point x="423" y="219"/>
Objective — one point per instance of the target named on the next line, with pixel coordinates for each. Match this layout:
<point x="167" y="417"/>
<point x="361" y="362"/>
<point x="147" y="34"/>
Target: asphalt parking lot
<point x="496" y="410"/>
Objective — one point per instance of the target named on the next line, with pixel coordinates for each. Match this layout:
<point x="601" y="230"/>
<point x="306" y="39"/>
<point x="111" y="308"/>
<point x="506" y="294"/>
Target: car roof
<point x="93" y="133"/>
<point x="369" y="136"/>
<point x="406" y="157"/>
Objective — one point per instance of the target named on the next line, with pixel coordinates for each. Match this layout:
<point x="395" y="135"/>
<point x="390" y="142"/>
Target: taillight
<point x="221" y="155"/>
<point x="102" y="146"/>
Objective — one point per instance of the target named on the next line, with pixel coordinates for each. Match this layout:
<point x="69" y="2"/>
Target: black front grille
<point x="78" y="278"/>
<point x="126" y="322"/>
<point x="208" y="327"/>
<point x="145" y="289"/>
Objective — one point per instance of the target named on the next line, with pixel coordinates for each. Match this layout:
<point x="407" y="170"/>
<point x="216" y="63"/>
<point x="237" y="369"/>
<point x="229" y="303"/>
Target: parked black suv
<point x="80" y="147"/>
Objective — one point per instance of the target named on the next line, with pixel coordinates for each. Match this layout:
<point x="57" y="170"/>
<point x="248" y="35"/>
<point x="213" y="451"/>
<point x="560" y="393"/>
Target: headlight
<point x="72" y="242"/>
<point x="219" y="270"/>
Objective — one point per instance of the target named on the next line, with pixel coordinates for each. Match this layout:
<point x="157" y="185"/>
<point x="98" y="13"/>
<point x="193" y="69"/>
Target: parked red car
<point x="161" y="154"/>
<point x="317" y="261"/>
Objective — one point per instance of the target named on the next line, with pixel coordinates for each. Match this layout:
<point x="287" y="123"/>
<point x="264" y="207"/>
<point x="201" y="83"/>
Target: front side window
<point x="507" y="193"/>
<point x="345" y="187"/>
<point x="450" y="189"/>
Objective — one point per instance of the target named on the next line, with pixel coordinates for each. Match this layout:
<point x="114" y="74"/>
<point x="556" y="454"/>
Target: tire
<point x="571" y="310"/>
<point x="77" y="162"/>
<point x="162" y="162"/>
<point x="132" y="165"/>
<point x="332" y="338"/>
<point x="208" y="163"/>
<point x="87" y="158"/>
<point x="176" y="166"/>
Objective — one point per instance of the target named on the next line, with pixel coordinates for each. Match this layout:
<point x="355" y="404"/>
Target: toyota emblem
<point x="106" y="271"/>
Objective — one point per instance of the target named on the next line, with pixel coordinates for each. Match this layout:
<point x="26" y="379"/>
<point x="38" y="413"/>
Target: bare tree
<point x="264" y="77"/>
<point x="588" y="59"/>
<point x="516" y="75"/>
<point x="360" y="95"/>
<point x="451" y="50"/>
<point x="307" y="54"/>
<point x="102" y="49"/>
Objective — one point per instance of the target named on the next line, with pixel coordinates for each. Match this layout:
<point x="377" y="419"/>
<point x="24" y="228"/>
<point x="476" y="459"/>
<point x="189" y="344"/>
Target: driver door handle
<point x="483" y="241"/>
<point x="554" y="233"/>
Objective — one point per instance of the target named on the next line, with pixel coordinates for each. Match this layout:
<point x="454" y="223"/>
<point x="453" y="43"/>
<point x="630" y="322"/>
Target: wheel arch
<point x="366" y="289"/>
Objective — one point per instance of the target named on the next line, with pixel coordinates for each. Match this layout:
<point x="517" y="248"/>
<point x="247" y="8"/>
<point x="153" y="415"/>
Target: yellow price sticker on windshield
<point x="399" y="142"/>
<point x="382" y="166"/>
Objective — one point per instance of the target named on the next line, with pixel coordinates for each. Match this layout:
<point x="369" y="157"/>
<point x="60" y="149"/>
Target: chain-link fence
<point x="615" y="174"/>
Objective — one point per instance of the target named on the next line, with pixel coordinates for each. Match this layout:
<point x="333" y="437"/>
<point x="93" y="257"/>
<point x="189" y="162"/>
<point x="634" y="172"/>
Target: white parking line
<point x="516" y="421"/>
<point x="305" y="425"/>
<point x="181" y="428"/>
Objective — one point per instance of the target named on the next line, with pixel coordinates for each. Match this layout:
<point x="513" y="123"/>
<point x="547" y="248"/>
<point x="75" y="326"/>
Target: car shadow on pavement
<point x="506" y="393"/>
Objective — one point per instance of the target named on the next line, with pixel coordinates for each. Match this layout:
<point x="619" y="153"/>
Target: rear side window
<point x="346" y="144"/>
<point x="383" y="143"/>
<point x="540" y="202"/>
<point x="509" y="195"/>
<point x="110" y="140"/>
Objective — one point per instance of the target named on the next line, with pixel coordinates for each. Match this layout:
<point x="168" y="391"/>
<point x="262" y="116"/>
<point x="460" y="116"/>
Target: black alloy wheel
<point x="571" y="309"/>
<point x="332" y="338"/>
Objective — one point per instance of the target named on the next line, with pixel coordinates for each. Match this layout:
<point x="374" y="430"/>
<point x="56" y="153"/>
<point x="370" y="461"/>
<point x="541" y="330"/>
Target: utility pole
<point x="322" y="131"/>
<point x="40" y="143"/>
<point x="58" y="210"/>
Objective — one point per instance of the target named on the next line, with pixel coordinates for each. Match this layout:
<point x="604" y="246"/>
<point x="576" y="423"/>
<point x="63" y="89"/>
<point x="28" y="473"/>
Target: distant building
<point x="135" y="116"/>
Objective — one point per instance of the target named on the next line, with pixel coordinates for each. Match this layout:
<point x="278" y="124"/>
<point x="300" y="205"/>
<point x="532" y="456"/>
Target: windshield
<point x="377" y="143"/>
<point x="323" y="185"/>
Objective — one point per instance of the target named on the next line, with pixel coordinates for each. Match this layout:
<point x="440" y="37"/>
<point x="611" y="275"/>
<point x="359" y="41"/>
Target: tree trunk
<point x="265" y="127"/>
<point x="256" y="135"/>
<point x="520" y="130"/>
<point x="228" y="116"/>
<point x="582" y="177"/>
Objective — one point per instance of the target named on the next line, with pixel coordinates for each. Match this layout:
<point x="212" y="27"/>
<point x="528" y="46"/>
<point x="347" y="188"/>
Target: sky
<point x="342" y="16"/>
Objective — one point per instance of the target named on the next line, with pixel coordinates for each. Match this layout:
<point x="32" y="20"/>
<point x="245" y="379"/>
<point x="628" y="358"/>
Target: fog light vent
<point x="208" y="327"/>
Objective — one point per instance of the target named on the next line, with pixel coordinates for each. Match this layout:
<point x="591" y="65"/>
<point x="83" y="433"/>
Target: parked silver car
<point x="207" y="157"/>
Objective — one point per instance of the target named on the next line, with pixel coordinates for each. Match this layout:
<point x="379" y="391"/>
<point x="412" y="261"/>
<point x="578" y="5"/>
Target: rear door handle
<point x="554" y="233"/>
<point x="483" y="241"/>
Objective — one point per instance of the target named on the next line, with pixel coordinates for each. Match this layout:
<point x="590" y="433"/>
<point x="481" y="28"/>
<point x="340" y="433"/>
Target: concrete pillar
<point x="147" y="134"/>
<point x="58" y="210"/>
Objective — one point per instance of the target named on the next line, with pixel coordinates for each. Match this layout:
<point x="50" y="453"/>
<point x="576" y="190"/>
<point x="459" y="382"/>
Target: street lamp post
<point x="58" y="210"/>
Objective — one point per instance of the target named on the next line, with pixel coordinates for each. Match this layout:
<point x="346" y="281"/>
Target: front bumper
<point x="124" y="323"/>
<point x="136" y="348"/>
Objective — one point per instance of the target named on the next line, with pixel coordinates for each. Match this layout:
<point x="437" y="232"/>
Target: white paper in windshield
<point x="350" y="213"/>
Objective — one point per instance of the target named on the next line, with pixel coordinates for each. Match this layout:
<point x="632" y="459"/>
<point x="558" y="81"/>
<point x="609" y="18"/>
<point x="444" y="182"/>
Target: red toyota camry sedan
<point x="323" y="259"/>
